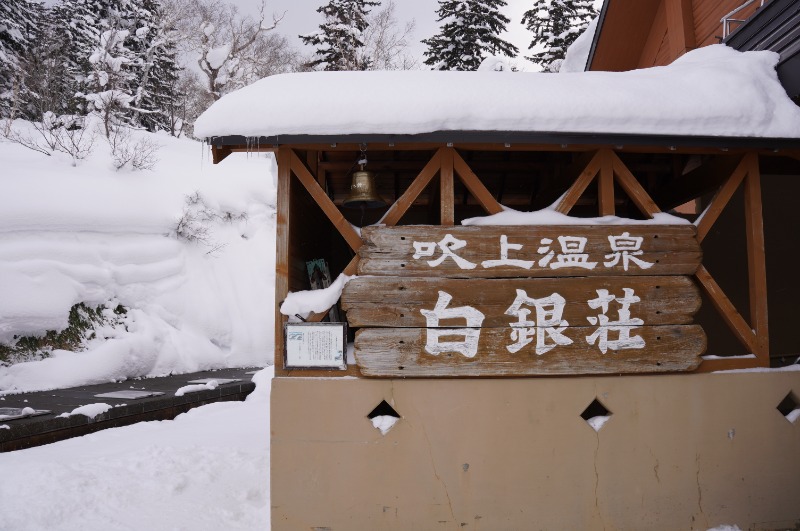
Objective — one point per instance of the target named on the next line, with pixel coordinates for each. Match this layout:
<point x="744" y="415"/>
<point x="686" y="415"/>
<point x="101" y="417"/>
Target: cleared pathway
<point x="46" y="428"/>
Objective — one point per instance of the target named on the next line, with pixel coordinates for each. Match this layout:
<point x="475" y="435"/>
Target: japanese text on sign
<point x="623" y="249"/>
<point x="536" y="319"/>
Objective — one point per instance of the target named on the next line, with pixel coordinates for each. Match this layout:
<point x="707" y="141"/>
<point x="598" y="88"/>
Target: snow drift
<point x="91" y="234"/>
<point x="711" y="91"/>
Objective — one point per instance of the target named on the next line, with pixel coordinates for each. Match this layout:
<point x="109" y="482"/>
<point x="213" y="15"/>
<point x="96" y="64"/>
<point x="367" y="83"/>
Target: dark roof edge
<point x="516" y="137"/>
<point x="596" y="37"/>
<point x="757" y="22"/>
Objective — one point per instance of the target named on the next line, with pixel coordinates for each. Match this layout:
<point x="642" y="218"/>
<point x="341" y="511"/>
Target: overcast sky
<point x="301" y="17"/>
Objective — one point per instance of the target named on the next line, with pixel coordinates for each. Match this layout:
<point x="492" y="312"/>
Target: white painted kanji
<point x="468" y="347"/>
<point x="447" y="245"/>
<point x="572" y="253"/>
<point x="504" y="259"/>
<point x="622" y="326"/>
<point x="626" y="248"/>
<point x="548" y="322"/>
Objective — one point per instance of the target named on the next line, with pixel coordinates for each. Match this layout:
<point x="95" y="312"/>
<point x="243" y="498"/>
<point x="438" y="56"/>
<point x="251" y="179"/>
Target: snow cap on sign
<point x="711" y="91"/>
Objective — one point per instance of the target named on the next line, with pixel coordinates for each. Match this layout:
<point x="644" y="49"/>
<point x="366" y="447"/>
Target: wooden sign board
<point x="527" y="251"/>
<point x="398" y="301"/>
<point x="519" y="301"/>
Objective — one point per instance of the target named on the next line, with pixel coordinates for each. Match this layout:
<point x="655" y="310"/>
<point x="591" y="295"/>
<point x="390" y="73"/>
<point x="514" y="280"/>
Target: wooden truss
<point x="603" y="165"/>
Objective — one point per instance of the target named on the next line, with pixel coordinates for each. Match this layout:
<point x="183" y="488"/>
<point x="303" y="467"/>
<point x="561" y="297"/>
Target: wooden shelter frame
<point x="597" y="163"/>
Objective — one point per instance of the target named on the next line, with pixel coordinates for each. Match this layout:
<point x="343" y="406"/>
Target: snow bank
<point x="711" y="91"/>
<point x="196" y="388"/>
<point x="104" y="237"/>
<point x="207" y="469"/>
<point x="89" y="410"/>
<point x="548" y="216"/>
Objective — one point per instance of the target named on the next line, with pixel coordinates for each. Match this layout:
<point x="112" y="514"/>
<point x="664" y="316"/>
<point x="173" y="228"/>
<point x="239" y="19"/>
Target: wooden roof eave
<point x="222" y="146"/>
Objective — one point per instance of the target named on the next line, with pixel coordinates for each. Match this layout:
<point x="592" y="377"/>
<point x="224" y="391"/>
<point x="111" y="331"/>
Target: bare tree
<point x="232" y="49"/>
<point x="386" y="42"/>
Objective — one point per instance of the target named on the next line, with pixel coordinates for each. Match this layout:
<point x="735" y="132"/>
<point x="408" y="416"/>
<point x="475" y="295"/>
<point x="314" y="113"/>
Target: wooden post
<point x="447" y="189"/>
<point x="680" y="25"/>
<point x="605" y="184"/>
<point x="282" y="250"/>
<point x="754" y="336"/>
<point x="756" y="258"/>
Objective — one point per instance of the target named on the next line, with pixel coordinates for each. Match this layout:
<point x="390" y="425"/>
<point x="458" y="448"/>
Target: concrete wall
<point x="679" y="452"/>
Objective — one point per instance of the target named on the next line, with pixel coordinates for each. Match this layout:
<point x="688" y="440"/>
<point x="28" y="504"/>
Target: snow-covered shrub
<point x="66" y="134"/>
<point x="139" y="155"/>
<point x="197" y="218"/>
<point x="84" y="322"/>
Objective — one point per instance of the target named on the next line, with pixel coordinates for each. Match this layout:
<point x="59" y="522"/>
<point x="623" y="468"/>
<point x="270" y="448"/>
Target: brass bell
<point x="362" y="191"/>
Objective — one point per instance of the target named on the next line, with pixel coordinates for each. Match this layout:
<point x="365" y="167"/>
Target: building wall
<point x="645" y="33"/>
<point x="679" y="452"/>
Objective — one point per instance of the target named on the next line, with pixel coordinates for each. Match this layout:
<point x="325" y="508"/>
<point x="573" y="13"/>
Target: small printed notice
<point x="316" y="345"/>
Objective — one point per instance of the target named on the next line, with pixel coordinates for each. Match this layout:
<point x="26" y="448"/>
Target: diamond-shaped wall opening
<point x="790" y="407"/>
<point x="596" y="415"/>
<point x="383" y="417"/>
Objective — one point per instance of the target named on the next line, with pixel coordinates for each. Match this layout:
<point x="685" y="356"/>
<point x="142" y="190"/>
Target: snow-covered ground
<point x="207" y="469"/>
<point x="90" y="233"/>
<point x="86" y="232"/>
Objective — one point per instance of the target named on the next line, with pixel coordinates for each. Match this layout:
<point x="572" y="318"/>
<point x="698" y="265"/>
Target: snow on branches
<point x="469" y="33"/>
<point x="555" y="25"/>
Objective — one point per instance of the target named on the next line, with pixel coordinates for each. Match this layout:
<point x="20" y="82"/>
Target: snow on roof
<point x="711" y="91"/>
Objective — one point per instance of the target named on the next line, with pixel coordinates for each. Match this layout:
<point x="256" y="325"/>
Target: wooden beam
<point x="756" y="261"/>
<point x="727" y="310"/>
<point x="553" y="186"/>
<point x="282" y="250"/>
<point x="474" y="185"/>
<point x="720" y="199"/>
<point x="334" y="214"/>
<point x="579" y="186"/>
<point x="702" y="180"/>
<point x="605" y="184"/>
<point x="628" y="182"/>
<point x="680" y="24"/>
<point x="416" y="187"/>
<point x="447" y="189"/>
<point x="219" y="153"/>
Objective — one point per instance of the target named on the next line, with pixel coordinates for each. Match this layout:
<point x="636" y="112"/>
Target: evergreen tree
<point x="154" y="66"/>
<point x="555" y="25"/>
<point x="108" y="84"/>
<point x="19" y="20"/>
<point x="470" y="32"/>
<point x="48" y="82"/>
<point x="339" y="40"/>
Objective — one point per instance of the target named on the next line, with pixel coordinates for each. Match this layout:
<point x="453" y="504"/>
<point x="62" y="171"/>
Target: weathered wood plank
<point x="400" y="352"/>
<point x="397" y="301"/>
<point x="390" y="251"/>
